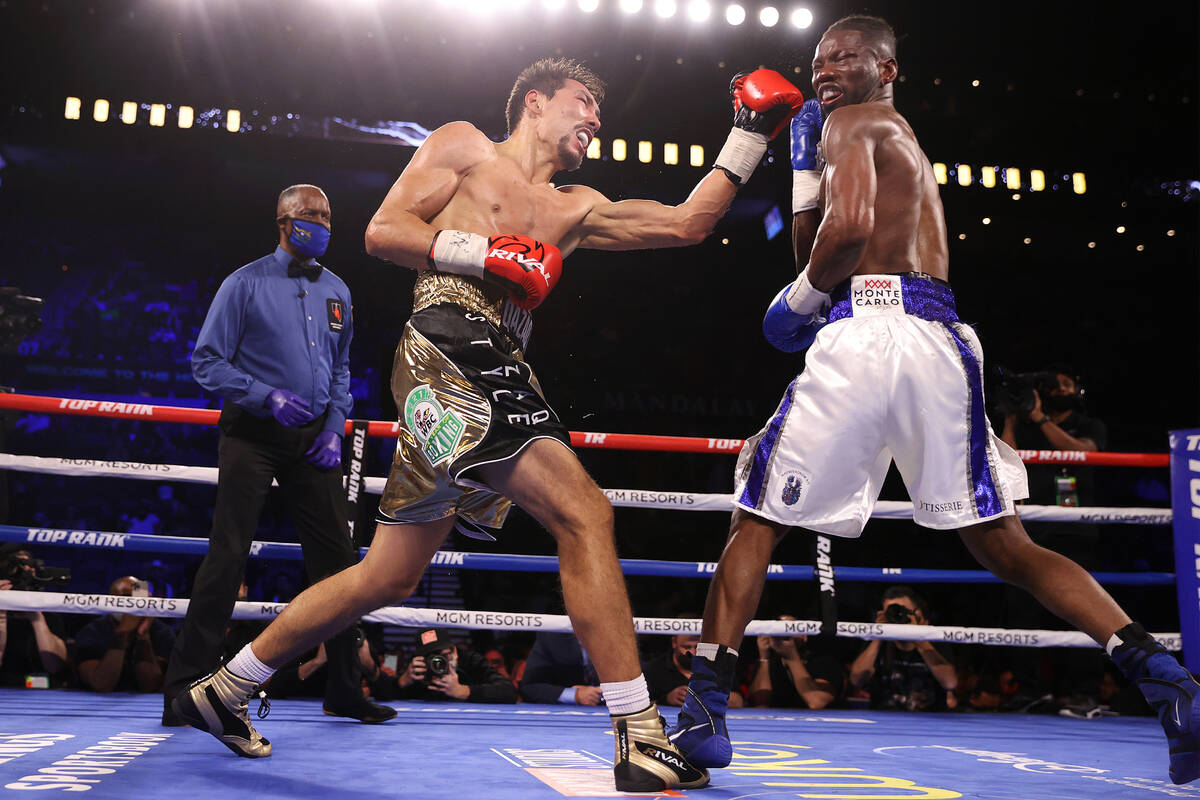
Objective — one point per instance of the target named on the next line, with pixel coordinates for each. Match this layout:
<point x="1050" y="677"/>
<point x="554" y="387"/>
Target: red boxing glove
<point x="764" y="102"/>
<point x="529" y="269"/>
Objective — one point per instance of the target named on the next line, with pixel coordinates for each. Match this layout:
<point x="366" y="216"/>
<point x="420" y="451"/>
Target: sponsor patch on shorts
<point x="437" y="430"/>
<point x="794" y="485"/>
<point x="871" y="295"/>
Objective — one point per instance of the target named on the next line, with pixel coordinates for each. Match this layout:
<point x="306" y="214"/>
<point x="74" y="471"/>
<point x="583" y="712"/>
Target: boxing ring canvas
<point x="112" y="746"/>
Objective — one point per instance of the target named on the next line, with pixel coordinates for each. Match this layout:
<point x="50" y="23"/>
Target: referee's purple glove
<point x="288" y="409"/>
<point x="326" y="452"/>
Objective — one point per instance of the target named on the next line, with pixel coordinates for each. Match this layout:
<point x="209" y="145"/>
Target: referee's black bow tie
<point x="310" y="271"/>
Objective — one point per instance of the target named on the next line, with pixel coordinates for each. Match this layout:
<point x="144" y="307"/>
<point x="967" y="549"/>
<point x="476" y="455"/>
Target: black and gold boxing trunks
<point x="465" y="398"/>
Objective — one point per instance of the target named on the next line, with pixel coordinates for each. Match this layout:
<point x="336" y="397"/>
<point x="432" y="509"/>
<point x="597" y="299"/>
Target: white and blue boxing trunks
<point x="893" y="375"/>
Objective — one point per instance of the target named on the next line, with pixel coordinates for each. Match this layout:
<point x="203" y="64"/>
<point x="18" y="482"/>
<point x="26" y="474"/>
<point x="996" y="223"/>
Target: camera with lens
<point x="1013" y="392"/>
<point x="438" y="666"/>
<point x="30" y="574"/>
<point x="898" y="614"/>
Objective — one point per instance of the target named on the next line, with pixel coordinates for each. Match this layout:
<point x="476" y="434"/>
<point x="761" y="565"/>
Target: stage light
<point x="158" y="114"/>
<point x="696" y="155"/>
<point x="129" y="112"/>
<point x="989" y="177"/>
<point x="801" y="18"/>
<point x="735" y="14"/>
<point x="665" y="8"/>
<point x="233" y="120"/>
<point x="593" y="150"/>
<point x="939" y="173"/>
<point x="645" y="152"/>
<point x="1078" y="182"/>
<point x="964" y="174"/>
<point x="670" y="153"/>
<point x="769" y="16"/>
<point x="1037" y="180"/>
<point x="699" y="10"/>
<point x="554" y="5"/>
<point x="186" y="116"/>
<point x="588" y="6"/>
<point x="100" y="111"/>
<point x="618" y="149"/>
<point x="1012" y="178"/>
<point x="631" y="6"/>
<point x="72" y="109"/>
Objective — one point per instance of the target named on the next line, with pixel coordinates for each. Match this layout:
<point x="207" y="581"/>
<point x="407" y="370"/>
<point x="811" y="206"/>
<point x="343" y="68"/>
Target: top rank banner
<point x="1185" y="497"/>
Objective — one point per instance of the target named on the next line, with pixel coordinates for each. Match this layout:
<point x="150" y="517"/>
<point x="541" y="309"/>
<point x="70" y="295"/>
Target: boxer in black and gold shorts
<point x="465" y="397"/>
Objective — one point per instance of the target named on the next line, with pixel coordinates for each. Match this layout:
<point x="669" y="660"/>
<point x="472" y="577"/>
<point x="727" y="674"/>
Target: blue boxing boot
<point x="699" y="732"/>
<point x="1169" y="689"/>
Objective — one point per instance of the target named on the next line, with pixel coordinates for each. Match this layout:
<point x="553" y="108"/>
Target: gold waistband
<point x="440" y="287"/>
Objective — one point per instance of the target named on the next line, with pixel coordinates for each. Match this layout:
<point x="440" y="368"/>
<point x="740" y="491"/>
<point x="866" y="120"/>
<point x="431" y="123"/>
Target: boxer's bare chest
<point x="495" y="197"/>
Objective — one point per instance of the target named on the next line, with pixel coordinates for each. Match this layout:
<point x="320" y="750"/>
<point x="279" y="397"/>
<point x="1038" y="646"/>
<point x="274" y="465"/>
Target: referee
<point x="275" y="346"/>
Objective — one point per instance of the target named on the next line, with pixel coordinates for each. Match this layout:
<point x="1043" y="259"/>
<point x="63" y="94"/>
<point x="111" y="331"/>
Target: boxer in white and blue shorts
<point x="894" y="375"/>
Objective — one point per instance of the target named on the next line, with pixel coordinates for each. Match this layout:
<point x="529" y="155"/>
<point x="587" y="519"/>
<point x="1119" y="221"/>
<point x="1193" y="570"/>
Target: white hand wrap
<point x="806" y="299"/>
<point x="459" y="252"/>
<point x="742" y="152"/>
<point x="806" y="186"/>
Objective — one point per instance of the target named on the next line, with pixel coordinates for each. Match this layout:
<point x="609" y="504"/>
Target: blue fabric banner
<point x="1185" y="498"/>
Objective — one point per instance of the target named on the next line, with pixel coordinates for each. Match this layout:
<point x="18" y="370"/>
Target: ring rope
<point x="559" y="623"/>
<point x="622" y="498"/>
<point x="505" y="562"/>
<point x="583" y="439"/>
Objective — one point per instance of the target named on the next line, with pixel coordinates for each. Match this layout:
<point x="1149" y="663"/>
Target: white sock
<point x="1113" y="643"/>
<point x="246" y="665"/>
<point x="709" y="650"/>
<point x="626" y="697"/>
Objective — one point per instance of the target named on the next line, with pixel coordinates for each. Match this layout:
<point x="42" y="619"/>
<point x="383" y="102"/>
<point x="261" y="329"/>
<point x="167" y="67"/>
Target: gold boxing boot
<point x="646" y="761"/>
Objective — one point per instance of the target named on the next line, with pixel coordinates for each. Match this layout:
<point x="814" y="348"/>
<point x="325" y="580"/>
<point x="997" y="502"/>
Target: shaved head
<point x="292" y="195"/>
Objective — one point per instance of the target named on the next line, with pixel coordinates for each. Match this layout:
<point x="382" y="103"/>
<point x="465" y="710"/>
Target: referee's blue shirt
<point x="265" y="331"/>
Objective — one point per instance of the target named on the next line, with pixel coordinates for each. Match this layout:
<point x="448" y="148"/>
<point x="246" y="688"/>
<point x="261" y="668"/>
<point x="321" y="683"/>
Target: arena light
<point x="769" y="16"/>
<point x="158" y="114"/>
<point x="233" y="120"/>
<point x="989" y="177"/>
<point x="665" y="8"/>
<point x="696" y="155"/>
<point x="129" y="111"/>
<point x="554" y="5"/>
<point x="593" y="150"/>
<point x="588" y="6"/>
<point x="939" y="173"/>
<point x="1037" y="180"/>
<point x="631" y="6"/>
<point x="645" y="152"/>
<point x="1012" y="178"/>
<point x="186" y="116"/>
<point x="964" y="174"/>
<point x="699" y="10"/>
<point x="618" y="149"/>
<point x="670" y="153"/>
<point x="1078" y="182"/>
<point x="71" y="111"/>
<point x="100" y="111"/>
<point x="735" y="14"/>
<point x="801" y="18"/>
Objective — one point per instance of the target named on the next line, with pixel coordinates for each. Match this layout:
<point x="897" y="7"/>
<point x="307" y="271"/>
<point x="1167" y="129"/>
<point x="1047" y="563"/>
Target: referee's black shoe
<point x="362" y="710"/>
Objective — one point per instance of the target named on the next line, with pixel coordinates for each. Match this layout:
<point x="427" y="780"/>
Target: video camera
<point x="20" y="316"/>
<point x="1012" y="392"/>
<point x="30" y="574"/>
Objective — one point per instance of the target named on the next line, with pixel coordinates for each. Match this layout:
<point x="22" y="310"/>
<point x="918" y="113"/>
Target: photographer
<point x="792" y="675"/>
<point x="124" y="652"/>
<point x="31" y="642"/>
<point x="906" y="676"/>
<point x="440" y="670"/>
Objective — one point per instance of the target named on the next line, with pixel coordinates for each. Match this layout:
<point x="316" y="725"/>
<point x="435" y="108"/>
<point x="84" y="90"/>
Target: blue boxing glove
<point x="795" y="315"/>
<point x="288" y="409"/>
<point x="806" y="161"/>
<point x="326" y="452"/>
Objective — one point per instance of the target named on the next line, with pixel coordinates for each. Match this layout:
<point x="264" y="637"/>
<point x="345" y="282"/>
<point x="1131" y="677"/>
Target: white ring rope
<point x="79" y="603"/>
<point x="622" y="498"/>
